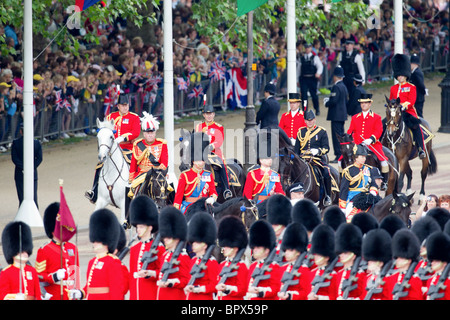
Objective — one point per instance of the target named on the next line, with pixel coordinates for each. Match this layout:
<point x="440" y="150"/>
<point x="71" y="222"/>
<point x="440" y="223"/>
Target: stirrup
<point x="227" y="194"/>
<point x="327" y="201"/>
<point x="383" y="186"/>
<point x="89" y="195"/>
<point x="422" y="154"/>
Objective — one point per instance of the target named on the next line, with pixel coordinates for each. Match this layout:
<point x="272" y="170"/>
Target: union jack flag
<point x="183" y="84"/>
<point x="153" y="82"/>
<point x="217" y="71"/>
<point x="196" y="92"/>
<point x="110" y="99"/>
<point x="62" y="103"/>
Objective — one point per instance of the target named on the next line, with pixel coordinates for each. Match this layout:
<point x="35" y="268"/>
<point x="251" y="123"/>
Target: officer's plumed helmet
<point x="143" y="210"/>
<point x="202" y="228"/>
<point x="104" y="228"/>
<point x="149" y="123"/>
<point x="16" y="238"/>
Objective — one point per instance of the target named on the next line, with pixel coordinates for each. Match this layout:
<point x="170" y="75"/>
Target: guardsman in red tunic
<point x="48" y="260"/>
<point x="292" y="120"/>
<point x="196" y="182"/>
<point x="351" y="278"/>
<point x="262" y="182"/>
<point x="324" y="282"/>
<point x="127" y="128"/>
<point x="104" y="272"/>
<point x="174" y="273"/>
<point x="144" y="217"/>
<point x="264" y="274"/>
<point x="202" y="234"/>
<point x="233" y="272"/>
<point x="405" y="249"/>
<point x="296" y="279"/>
<point x="149" y="152"/>
<point x="407" y="94"/>
<point x="377" y="251"/>
<point x="366" y="128"/>
<point x="19" y="280"/>
<point x="279" y="216"/>
<point x="438" y="248"/>
<point x="216" y="135"/>
<point x="120" y="253"/>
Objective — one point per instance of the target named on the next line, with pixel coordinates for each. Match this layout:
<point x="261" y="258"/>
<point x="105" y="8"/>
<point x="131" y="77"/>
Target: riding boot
<point x="327" y="199"/>
<point x="224" y="181"/>
<point x="126" y="224"/>
<point x="92" y="194"/>
<point x="385" y="181"/>
<point x="418" y="138"/>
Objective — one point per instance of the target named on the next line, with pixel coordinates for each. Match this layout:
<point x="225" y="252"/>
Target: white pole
<point x="291" y="49"/>
<point x="398" y="26"/>
<point x="168" y="90"/>
<point x="28" y="211"/>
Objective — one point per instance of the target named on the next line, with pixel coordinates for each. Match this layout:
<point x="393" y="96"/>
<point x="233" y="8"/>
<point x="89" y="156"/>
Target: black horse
<point x="295" y="169"/>
<point x="236" y="174"/>
<point x="395" y="203"/>
<point x="157" y="188"/>
<point x="348" y="158"/>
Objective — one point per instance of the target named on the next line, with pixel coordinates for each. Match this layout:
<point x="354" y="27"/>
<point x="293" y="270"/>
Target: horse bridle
<point x="161" y="187"/>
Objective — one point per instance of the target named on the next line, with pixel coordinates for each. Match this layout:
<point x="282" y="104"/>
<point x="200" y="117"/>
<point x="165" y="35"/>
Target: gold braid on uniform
<point x="307" y="137"/>
<point x="357" y="178"/>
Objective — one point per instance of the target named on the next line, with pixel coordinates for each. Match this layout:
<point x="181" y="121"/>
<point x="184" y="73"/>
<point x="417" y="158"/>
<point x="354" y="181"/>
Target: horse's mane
<point x="106" y="124"/>
<point x="227" y="204"/>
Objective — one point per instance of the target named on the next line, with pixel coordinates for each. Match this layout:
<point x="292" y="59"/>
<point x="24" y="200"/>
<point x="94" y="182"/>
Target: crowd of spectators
<point x="68" y="83"/>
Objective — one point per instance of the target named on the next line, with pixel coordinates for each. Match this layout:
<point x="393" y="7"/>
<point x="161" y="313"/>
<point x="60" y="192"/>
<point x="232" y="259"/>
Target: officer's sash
<point x="270" y="185"/>
<point x="206" y="176"/>
<point x="362" y="184"/>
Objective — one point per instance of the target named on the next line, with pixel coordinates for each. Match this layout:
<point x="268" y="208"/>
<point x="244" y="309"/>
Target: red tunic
<point x="188" y="185"/>
<point x="216" y="134"/>
<point x="290" y="124"/>
<point x="209" y="280"/>
<point x="407" y="94"/>
<point x="385" y="294"/>
<point x="104" y="279"/>
<point x="300" y="290"/>
<point x="257" y="181"/>
<point x="414" y="289"/>
<point x="434" y="280"/>
<point x="240" y="281"/>
<point x="176" y="292"/>
<point x="128" y="126"/>
<point x="48" y="261"/>
<point x="370" y="127"/>
<point x="329" y="292"/>
<point x="140" y="162"/>
<point x="359" y="291"/>
<point x="272" y="284"/>
<point x="10" y="281"/>
<point x="126" y="280"/>
<point x="144" y="288"/>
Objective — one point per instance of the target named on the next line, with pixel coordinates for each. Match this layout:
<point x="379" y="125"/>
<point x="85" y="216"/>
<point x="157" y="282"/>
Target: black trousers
<point x="337" y="128"/>
<point x="309" y="84"/>
<point x="18" y="178"/>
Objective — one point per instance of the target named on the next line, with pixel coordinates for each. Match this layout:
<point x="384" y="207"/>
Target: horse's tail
<point x="432" y="166"/>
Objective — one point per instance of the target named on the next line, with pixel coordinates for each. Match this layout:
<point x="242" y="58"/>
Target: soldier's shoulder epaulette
<point x="164" y="141"/>
<point x="137" y="141"/>
<point x="185" y="171"/>
<point x="134" y="114"/>
<point x="218" y="124"/>
<point x="322" y="128"/>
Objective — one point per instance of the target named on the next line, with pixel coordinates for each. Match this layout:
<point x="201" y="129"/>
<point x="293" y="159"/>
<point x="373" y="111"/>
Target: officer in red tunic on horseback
<point x="196" y="182"/>
<point x="311" y="144"/>
<point x="407" y="94"/>
<point x="215" y="131"/>
<point x="366" y="128"/>
<point x="127" y="128"/>
<point x="148" y="152"/>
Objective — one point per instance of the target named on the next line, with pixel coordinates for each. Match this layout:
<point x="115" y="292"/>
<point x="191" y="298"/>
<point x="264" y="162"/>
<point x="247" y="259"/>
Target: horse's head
<point x="393" y="115"/>
<point x="105" y="138"/>
<point x="249" y="213"/>
<point x="401" y="206"/>
<point x="347" y="145"/>
<point x="157" y="186"/>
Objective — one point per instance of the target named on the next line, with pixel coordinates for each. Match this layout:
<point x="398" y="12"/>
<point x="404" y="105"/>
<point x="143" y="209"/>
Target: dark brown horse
<point x="236" y="174"/>
<point x="157" y="188"/>
<point x="398" y="138"/>
<point x="293" y="168"/>
<point x="348" y="158"/>
<point x="399" y="204"/>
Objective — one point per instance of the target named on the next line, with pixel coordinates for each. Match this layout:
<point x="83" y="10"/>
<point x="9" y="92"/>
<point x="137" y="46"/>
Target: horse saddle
<point x="317" y="175"/>
<point x="216" y="163"/>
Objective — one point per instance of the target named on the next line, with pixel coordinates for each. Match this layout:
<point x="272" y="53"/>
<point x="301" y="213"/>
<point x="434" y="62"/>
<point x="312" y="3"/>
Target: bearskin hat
<point x="392" y="223"/>
<point x="365" y="221"/>
<point x="143" y="210"/>
<point x="405" y="244"/>
<point x="322" y="241"/>
<point x="279" y="209"/>
<point x="348" y="238"/>
<point x="50" y="214"/>
<point x="365" y="200"/>
<point x="333" y="216"/>
<point x="262" y="235"/>
<point x="307" y="213"/>
<point x="172" y="224"/>
<point x="441" y="215"/>
<point x="202" y="228"/>
<point x="401" y="65"/>
<point x="425" y="226"/>
<point x="232" y="233"/>
<point x="295" y="237"/>
<point x="104" y="228"/>
<point x="377" y="246"/>
<point x="16" y="238"/>
<point x="198" y="144"/>
<point x="438" y="246"/>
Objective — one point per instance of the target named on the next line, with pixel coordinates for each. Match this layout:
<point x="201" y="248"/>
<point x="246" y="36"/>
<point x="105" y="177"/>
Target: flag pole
<point x="61" y="181"/>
